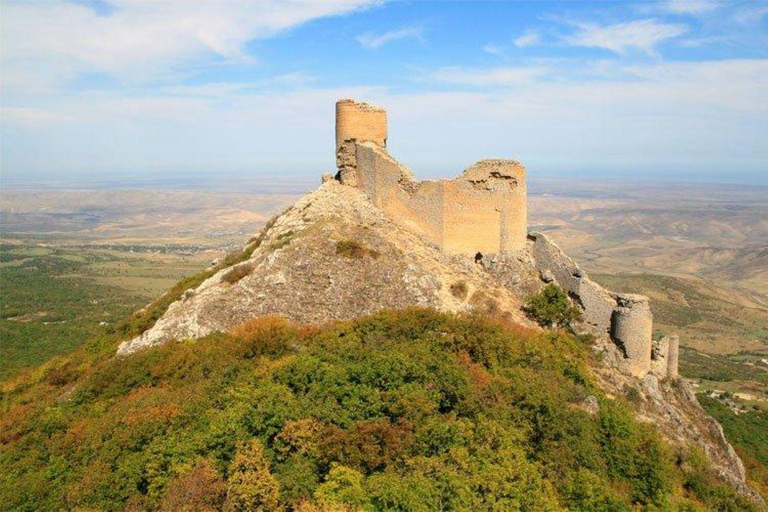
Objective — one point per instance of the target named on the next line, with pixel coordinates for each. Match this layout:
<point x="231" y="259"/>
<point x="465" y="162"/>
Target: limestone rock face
<point x="299" y="273"/>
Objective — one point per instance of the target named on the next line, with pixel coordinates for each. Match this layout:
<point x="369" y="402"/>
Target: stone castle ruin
<point x="483" y="212"/>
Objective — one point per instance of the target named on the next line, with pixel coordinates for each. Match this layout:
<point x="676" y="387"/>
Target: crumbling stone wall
<point x="664" y="357"/>
<point x="483" y="210"/>
<point x="625" y="318"/>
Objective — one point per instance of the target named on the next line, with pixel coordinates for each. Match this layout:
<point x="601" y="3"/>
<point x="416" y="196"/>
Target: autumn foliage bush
<point x="409" y="410"/>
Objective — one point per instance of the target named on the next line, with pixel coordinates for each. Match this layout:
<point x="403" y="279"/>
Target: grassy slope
<point x="412" y="410"/>
<point x="749" y="434"/>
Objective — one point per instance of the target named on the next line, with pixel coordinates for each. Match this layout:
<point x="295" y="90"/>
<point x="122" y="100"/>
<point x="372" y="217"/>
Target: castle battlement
<point x="484" y="210"/>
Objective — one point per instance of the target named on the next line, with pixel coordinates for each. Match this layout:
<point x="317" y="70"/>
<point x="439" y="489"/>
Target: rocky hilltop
<point x="374" y="238"/>
<point x="333" y="255"/>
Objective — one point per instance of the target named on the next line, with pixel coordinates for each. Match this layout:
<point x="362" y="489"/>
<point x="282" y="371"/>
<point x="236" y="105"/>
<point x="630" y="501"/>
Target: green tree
<point x="251" y="485"/>
<point x="551" y="307"/>
<point x="343" y="486"/>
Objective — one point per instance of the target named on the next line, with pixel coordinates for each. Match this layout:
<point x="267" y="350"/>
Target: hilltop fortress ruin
<point x="483" y="210"/>
<point x="483" y="213"/>
<point x="373" y="238"/>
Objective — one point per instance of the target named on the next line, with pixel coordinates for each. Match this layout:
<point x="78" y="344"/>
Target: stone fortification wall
<point x="598" y="304"/>
<point x="486" y="208"/>
<point x="625" y="318"/>
<point x="361" y="122"/>
<point x="664" y="358"/>
<point x="416" y="206"/>
<point x="483" y="210"/>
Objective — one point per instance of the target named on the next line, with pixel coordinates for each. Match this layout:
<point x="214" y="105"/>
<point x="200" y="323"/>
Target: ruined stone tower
<point x="484" y="210"/>
<point x="360" y="122"/>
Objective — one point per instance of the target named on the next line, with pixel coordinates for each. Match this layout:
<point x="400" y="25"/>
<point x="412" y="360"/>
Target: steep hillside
<point x="410" y="411"/>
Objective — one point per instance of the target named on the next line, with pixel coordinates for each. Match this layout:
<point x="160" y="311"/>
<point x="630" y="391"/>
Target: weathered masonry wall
<point x="483" y="210"/>
<point x="626" y="318"/>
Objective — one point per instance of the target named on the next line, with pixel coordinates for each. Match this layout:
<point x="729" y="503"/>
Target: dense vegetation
<point x="412" y="410"/>
<point x="748" y="432"/>
<point x="47" y="308"/>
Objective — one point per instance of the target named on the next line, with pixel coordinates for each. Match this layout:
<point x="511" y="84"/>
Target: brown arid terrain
<point x="699" y="251"/>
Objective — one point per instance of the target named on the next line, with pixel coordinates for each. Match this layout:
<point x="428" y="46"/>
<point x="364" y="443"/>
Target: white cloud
<point x="529" y="38"/>
<point x="642" y="35"/>
<point x="691" y="6"/>
<point x="46" y="42"/>
<point x="373" y="41"/>
<point x="751" y="14"/>
<point x="707" y="116"/>
<point x="495" y="49"/>
<point x="499" y="76"/>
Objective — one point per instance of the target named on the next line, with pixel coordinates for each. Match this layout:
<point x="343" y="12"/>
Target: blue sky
<point x="141" y="88"/>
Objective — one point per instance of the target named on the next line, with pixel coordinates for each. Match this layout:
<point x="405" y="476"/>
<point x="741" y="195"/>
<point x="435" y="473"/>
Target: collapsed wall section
<point x="625" y="318"/>
<point x="486" y="208"/>
<point x="483" y="210"/>
<point x="415" y="206"/>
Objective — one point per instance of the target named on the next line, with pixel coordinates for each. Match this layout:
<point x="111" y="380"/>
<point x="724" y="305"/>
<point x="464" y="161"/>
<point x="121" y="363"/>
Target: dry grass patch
<point x="459" y="289"/>
<point x="236" y="273"/>
<point x="355" y="250"/>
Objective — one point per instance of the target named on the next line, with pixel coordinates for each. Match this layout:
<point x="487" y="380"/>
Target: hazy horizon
<point x="673" y="89"/>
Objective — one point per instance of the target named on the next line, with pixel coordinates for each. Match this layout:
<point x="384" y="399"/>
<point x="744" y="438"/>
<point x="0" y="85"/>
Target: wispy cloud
<point x="690" y="6"/>
<point x="498" y="76"/>
<point x="47" y="42"/>
<point x="642" y="35"/>
<point x="751" y="14"/>
<point x="374" y="41"/>
<point x="529" y="38"/>
<point x="495" y="49"/>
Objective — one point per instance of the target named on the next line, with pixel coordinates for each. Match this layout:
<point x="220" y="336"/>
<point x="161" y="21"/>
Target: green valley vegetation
<point x="409" y="410"/>
<point x="54" y="298"/>
<point x="748" y="431"/>
<point x="49" y="306"/>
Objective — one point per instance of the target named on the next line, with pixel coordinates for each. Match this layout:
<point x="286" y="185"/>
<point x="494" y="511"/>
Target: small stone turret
<point x="632" y="329"/>
<point x="673" y="353"/>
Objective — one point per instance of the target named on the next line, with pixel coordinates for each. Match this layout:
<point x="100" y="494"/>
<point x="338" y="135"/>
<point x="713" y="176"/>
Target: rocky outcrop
<point x="299" y="272"/>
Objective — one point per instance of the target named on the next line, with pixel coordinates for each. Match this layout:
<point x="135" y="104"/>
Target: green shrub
<point x="355" y="250"/>
<point x="551" y="307"/>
